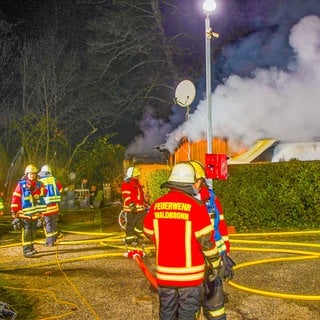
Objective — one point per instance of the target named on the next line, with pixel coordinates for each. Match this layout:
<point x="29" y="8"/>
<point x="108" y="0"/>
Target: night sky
<point x="33" y="18"/>
<point x="253" y="58"/>
<point x="265" y="72"/>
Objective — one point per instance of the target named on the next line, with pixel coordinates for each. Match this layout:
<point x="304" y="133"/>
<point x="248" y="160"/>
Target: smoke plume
<point x="268" y="81"/>
<point x="271" y="103"/>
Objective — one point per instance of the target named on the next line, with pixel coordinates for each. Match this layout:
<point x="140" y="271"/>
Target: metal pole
<point x="208" y="84"/>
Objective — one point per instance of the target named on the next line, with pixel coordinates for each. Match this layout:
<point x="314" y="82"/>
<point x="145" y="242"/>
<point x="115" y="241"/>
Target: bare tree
<point x="132" y="61"/>
<point x="7" y="46"/>
<point x="8" y="43"/>
<point x="51" y="118"/>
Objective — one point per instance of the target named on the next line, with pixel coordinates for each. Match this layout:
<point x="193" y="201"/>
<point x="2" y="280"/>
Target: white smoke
<point x="154" y="130"/>
<point x="271" y="103"/>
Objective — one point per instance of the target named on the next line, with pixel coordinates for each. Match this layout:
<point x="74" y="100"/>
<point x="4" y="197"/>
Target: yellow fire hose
<point x="110" y="239"/>
<point x="302" y="255"/>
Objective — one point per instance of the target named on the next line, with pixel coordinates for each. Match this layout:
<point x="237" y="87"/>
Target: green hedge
<point x="270" y="196"/>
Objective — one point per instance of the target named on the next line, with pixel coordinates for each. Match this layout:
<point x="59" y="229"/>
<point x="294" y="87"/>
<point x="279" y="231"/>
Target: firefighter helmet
<point x="198" y="168"/>
<point x="46" y="168"/>
<point x="133" y="172"/>
<point x="136" y="172"/>
<point x="182" y="172"/>
<point x="30" y="168"/>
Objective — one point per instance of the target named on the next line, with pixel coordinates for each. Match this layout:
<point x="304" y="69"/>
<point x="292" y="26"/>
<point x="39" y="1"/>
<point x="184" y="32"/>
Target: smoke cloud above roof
<point x="271" y="103"/>
<point x="269" y="88"/>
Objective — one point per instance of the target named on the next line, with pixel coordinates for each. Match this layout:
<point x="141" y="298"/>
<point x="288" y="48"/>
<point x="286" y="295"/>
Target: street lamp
<point x="208" y="7"/>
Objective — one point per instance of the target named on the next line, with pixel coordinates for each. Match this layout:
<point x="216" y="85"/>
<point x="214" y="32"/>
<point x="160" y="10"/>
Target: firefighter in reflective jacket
<point x="181" y="229"/>
<point x="213" y="302"/>
<point x="28" y="204"/>
<point x="206" y="194"/>
<point x="133" y="204"/>
<point x="52" y="200"/>
<point x="1" y="204"/>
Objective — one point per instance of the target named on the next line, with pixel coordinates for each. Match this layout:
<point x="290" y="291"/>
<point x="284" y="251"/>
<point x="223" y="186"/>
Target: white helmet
<point x="132" y="172"/>
<point x="182" y="172"/>
<point x="46" y="168"/>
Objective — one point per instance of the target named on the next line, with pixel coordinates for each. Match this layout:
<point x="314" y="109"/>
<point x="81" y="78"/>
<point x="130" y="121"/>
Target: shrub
<point x="263" y="196"/>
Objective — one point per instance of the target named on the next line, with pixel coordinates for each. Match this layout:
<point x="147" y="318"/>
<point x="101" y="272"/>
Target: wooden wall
<point x="197" y="150"/>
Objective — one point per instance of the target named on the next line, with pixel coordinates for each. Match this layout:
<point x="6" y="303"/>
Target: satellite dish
<point x="185" y="93"/>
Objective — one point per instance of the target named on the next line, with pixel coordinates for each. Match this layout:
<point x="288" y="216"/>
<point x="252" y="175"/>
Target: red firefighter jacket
<point x="177" y="223"/>
<point x="28" y="199"/>
<point x="132" y="194"/>
<point x="222" y="225"/>
<point x="53" y="196"/>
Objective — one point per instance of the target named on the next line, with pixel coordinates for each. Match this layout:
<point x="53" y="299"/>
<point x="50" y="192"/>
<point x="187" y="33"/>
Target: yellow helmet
<point x="30" y="168"/>
<point x="198" y="168"/>
<point x="136" y="172"/>
<point x="182" y="172"/>
<point x="132" y="172"/>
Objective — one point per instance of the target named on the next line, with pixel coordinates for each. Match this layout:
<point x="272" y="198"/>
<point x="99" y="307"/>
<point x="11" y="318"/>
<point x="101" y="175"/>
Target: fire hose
<point x="137" y="256"/>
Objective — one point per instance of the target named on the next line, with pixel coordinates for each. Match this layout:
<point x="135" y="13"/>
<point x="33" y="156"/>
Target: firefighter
<point x="52" y="199"/>
<point x="134" y="205"/>
<point x="27" y="204"/>
<point x="1" y="204"/>
<point x="214" y="299"/>
<point x="181" y="229"/>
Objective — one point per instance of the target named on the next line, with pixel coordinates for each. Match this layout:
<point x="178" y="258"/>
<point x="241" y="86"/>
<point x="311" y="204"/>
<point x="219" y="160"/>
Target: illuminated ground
<point x="87" y="277"/>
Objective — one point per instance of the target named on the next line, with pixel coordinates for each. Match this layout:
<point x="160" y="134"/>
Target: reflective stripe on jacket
<point x="53" y="194"/>
<point x="28" y="199"/>
<point x="1" y="204"/>
<point x="176" y="223"/>
<point x="132" y="194"/>
<point x="221" y="235"/>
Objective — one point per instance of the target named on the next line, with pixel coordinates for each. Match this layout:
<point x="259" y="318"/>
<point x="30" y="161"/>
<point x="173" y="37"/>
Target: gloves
<point x="39" y="223"/>
<point x="16" y="224"/>
<point x="212" y="274"/>
<point x="212" y="271"/>
<point x="226" y="268"/>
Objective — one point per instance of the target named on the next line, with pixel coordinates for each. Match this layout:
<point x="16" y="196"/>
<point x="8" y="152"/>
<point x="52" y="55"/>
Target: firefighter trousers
<point x="213" y="300"/>
<point x="29" y="228"/>
<point x="50" y="229"/>
<point x="134" y="226"/>
<point x="179" y="303"/>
